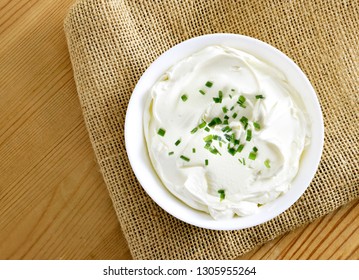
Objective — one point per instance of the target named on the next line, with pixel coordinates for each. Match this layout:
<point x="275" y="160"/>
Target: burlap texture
<point x="111" y="44"/>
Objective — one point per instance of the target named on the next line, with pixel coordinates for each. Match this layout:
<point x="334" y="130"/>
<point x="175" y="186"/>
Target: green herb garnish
<point x="202" y="125"/>
<point x="215" y="121"/>
<point x="232" y="151"/>
<point x="234" y="115"/>
<point x="241" y="101"/>
<point x="267" y="163"/>
<point x="207" y="129"/>
<point x="249" y="135"/>
<point x="171" y="153"/>
<point x="184" y="97"/>
<point x="224" y="109"/>
<point x="185" y="158"/>
<point x="240" y="148"/>
<point x="255" y="149"/>
<point x="244" y="120"/>
<point x="202" y="92"/>
<point x="226" y="129"/>
<point x="193" y="150"/>
<point x="252" y="155"/>
<point x="256" y="125"/>
<point x="209" y="84"/>
<point x="260" y="96"/>
<point x="206" y="162"/>
<point x="222" y="194"/>
<point x="219" y="98"/>
<point x="208" y="138"/>
<point x="161" y="132"/>
<point x="178" y="142"/>
<point x="194" y="130"/>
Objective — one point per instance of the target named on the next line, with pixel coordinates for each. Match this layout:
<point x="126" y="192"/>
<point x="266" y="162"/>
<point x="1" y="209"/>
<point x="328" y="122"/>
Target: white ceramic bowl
<point x="137" y="151"/>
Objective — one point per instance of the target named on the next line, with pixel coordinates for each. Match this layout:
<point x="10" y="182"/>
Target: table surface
<point x="53" y="201"/>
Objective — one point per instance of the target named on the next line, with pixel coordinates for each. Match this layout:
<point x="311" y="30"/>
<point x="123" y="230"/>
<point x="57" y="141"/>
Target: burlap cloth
<point x="111" y="44"/>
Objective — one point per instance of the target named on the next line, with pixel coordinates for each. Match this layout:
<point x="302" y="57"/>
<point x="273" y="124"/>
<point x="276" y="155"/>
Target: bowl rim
<point x="136" y="147"/>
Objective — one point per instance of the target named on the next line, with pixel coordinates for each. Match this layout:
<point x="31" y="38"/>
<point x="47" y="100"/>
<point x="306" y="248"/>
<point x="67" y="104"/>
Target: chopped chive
<point x="193" y="150"/>
<point x="244" y="120"/>
<point x="255" y="149"/>
<point x="226" y="129"/>
<point x="209" y="84"/>
<point x="224" y="109"/>
<point x="249" y="135"/>
<point x="240" y="148"/>
<point x="185" y="158"/>
<point x="259" y="205"/>
<point x="230" y="96"/>
<point x="214" y="151"/>
<point x="226" y="117"/>
<point x="232" y="108"/>
<point x="202" y="125"/>
<point x="240" y="161"/>
<point x="241" y="101"/>
<point x="225" y="122"/>
<point x="233" y="138"/>
<point x="178" y="142"/>
<point x="219" y="98"/>
<point x="244" y="161"/>
<point x="232" y="151"/>
<point x="256" y="125"/>
<point x="208" y="145"/>
<point x="215" y="121"/>
<point x="252" y="156"/>
<point x="206" y="162"/>
<point x="234" y="115"/>
<point x="220" y="144"/>
<point x="217" y="137"/>
<point x="228" y="137"/>
<point x="222" y="194"/>
<point x="208" y="138"/>
<point x="207" y="129"/>
<point x="267" y="163"/>
<point x="194" y="130"/>
<point x="233" y="89"/>
<point x="161" y="132"/>
<point x="171" y="153"/>
<point x="260" y="96"/>
<point x="184" y="97"/>
<point x="202" y="92"/>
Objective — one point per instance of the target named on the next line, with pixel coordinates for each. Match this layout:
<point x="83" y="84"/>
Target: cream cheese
<point x="225" y="131"/>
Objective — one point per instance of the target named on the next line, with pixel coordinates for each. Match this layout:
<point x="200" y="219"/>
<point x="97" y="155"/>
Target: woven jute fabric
<point x="111" y="43"/>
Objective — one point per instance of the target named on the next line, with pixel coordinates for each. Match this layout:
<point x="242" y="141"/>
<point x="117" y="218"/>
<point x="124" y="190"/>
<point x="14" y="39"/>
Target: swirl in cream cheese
<point x="225" y="131"/>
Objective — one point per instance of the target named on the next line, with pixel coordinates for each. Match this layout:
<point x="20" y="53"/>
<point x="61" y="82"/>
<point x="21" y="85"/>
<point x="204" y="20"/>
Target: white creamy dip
<point x="225" y="131"/>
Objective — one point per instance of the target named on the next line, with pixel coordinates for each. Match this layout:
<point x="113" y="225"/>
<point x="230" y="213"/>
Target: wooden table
<point x="53" y="201"/>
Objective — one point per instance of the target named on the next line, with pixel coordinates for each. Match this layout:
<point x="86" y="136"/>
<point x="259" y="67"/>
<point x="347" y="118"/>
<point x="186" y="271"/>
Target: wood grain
<point x="53" y="201"/>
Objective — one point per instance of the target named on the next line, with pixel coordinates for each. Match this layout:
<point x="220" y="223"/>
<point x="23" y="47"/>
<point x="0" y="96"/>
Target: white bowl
<point x="139" y="158"/>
